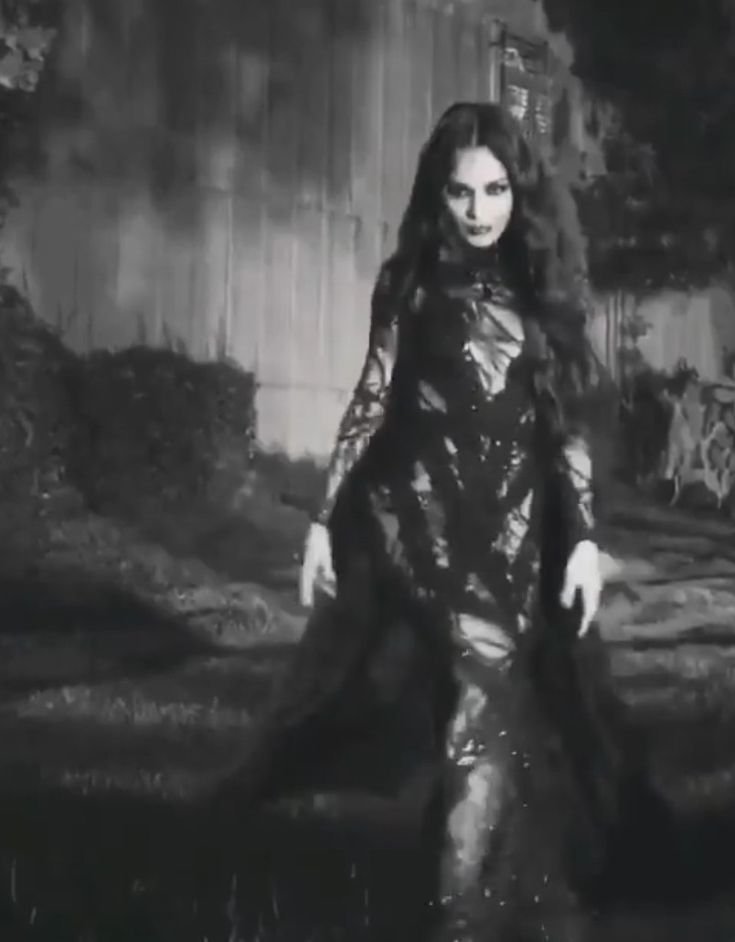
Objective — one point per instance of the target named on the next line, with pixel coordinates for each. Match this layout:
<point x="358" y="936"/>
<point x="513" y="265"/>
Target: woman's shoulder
<point x="388" y="277"/>
<point x="397" y="290"/>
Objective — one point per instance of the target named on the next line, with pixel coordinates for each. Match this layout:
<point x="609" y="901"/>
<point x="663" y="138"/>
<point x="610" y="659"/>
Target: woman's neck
<point x="456" y="253"/>
<point x="462" y="267"/>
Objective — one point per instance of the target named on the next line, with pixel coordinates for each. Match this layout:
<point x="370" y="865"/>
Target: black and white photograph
<point x="367" y="471"/>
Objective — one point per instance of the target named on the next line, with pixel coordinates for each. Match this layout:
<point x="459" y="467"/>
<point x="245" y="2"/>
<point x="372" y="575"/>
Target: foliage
<point x="155" y="423"/>
<point x="25" y="41"/>
<point x="27" y="32"/>
<point x="661" y="216"/>
<point x="35" y="419"/>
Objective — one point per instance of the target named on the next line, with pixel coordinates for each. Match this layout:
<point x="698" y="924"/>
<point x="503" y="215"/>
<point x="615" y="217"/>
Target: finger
<point x="306" y="584"/>
<point x="584" y="623"/>
<point x="569" y="589"/>
<point x="327" y="569"/>
<point x="596" y="597"/>
<point x="590" y="606"/>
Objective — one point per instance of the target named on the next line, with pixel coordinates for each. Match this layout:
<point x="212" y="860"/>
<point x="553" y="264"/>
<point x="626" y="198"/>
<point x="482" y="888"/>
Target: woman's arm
<point x="366" y="408"/>
<point x="573" y="466"/>
<point x="566" y="451"/>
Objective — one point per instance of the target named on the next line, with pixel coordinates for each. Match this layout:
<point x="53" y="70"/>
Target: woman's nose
<point x="472" y="208"/>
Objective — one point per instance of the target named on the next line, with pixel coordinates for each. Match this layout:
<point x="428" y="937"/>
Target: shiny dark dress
<point x="445" y="487"/>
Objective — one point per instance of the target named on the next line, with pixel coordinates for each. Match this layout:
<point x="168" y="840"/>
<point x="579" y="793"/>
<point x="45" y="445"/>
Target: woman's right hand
<point x="317" y="564"/>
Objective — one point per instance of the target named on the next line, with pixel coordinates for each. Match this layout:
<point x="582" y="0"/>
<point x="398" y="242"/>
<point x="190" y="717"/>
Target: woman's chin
<point x="484" y="241"/>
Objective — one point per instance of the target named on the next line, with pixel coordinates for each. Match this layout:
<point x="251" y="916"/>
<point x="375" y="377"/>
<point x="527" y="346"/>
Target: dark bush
<point x="155" y="424"/>
<point x="36" y="418"/>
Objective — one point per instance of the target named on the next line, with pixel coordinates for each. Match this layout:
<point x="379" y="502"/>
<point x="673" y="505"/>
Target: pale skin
<point x="479" y="199"/>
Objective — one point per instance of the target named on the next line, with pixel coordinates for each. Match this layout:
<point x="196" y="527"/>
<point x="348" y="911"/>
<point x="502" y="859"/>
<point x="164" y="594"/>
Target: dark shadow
<point x="720" y="636"/>
<point x="66" y="601"/>
<point x="230" y="542"/>
<point x="675" y="522"/>
<point x="167" y="870"/>
<point x="166" y="867"/>
<point x="657" y="863"/>
<point x="656" y="855"/>
<point x="141" y="870"/>
<point x="132" y="637"/>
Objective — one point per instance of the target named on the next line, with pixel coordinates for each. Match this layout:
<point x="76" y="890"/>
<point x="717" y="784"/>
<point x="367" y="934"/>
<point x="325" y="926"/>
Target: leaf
<point x="11" y="68"/>
<point x="35" y="41"/>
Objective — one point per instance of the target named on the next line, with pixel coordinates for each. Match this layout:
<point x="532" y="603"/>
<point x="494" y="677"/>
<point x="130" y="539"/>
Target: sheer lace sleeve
<point x="574" y="469"/>
<point x="366" y="408"/>
<point x="565" y="442"/>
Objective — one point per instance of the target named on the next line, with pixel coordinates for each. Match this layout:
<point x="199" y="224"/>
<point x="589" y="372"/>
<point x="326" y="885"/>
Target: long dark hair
<point x="541" y="253"/>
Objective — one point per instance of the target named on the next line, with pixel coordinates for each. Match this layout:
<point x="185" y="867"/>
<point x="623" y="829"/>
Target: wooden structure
<point x="232" y="173"/>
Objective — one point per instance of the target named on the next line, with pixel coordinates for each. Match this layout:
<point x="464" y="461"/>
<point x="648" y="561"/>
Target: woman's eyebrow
<point x="494" y="182"/>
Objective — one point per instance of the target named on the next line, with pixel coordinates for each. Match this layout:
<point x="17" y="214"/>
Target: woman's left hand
<point x="583" y="575"/>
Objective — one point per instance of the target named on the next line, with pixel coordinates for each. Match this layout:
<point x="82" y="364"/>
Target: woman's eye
<point x="456" y="192"/>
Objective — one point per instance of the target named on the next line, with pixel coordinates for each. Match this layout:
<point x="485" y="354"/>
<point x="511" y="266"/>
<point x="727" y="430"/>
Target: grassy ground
<point x="135" y="647"/>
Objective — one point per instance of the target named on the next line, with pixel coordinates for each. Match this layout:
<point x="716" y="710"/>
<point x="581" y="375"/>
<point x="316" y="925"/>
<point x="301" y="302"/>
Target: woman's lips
<point x="479" y="230"/>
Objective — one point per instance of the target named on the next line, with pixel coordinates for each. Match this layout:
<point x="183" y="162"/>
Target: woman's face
<point x="478" y="196"/>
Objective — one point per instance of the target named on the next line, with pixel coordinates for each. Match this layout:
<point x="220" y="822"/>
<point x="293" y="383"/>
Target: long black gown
<point x="445" y="490"/>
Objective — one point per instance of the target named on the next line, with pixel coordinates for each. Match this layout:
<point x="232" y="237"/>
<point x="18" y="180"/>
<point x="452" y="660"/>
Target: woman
<point x="461" y="442"/>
